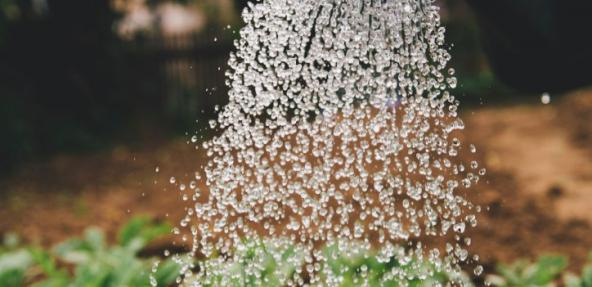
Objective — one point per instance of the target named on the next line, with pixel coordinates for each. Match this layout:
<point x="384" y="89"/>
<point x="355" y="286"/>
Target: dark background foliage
<point x="70" y="83"/>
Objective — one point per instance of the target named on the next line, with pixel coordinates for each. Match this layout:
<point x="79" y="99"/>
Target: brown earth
<point x="538" y="189"/>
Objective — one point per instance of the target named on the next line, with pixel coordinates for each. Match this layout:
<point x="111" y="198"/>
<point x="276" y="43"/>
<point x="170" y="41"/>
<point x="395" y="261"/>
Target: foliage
<point x="542" y="273"/>
<point x="255" y="265"/>
<point x="545" y="272"/>
<point x="14" y="262"/>
<point x="96" y="264"/>
<point x="274" y="270"/>
<point x="572" y="280"/>
<point x="366" y="269"/>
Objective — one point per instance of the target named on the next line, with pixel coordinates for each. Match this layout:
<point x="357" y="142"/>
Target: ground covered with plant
<point x="538" y="193"/>
<point x="90" y="261"/>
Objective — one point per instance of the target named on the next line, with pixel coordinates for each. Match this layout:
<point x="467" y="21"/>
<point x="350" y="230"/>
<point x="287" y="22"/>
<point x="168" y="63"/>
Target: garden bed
<point x="538" y="188"/>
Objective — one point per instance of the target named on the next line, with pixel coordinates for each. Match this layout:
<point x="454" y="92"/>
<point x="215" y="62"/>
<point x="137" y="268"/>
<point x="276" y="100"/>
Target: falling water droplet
<point x="478" y="270"/>
<point x="340" y="128"/>
<point x="545" y="98"/>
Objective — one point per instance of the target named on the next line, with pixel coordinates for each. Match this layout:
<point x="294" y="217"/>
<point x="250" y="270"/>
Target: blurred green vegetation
<point x="93" y="262"/>
<point x="546" y="271"/>
<point x="363" y="268"/>
<point x="90" y="261"/>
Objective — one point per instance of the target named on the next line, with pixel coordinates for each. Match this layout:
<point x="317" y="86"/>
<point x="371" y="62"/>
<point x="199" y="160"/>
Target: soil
<point x="538" y="190"/>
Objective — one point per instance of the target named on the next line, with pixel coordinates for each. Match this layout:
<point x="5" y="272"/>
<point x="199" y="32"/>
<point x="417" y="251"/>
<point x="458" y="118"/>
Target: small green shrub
<point x="14" y="262"/>
<point x="365" y="269"/>
<point x="95" y="263"/>
<point x="542" y="273"/>
<point x="98" y="264"/>
<point x="572" y="280"/>
<point x="262" y="264"/>
<point x="547" y="271"/>
<point x="273" y="270"/>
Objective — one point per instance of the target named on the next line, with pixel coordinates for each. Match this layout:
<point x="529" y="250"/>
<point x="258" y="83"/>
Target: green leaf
<point x="53" y="282"/>
<point x="132" y="230"/>
<point x="95" y="238"/>
<point x="587" y="276"/>
<point x="571" y="280"/>
<point x="12" y="278"/>
<point x="547" y="269"/>
<point x="55" y="277"/>
<point x="92" y="275"/>
<point x="167" y="272"/>
<point x="74" y="251"/>
<point x="44" y="260"/>
<point x="522" y="273"/>
<point x="512" y="274"/>
<point x="139" y="231"/>
<point x="13" y="266"/>
<point x="19" y="259"/>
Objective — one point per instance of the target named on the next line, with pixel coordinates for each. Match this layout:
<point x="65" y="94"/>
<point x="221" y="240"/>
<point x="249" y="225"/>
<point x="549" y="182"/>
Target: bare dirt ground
<point x="539" y="186"/>
<point x="538" y="189"/>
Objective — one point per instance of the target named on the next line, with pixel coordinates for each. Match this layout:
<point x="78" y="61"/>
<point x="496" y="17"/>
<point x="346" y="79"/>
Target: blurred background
<point x="78" y="76"/>
<point x="99" y="101"/>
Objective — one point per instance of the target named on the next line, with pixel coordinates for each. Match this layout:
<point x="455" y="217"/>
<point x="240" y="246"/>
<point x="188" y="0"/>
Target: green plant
<point x="14" y="262"/>
<point x="253" y="264"/>
<point x="54" y="277"/>
<point x="542" y="273"/>
<point x="572" y="280"/>
<point x="366" y="269"/>
<point x="95" y="263"/>
<point x="263" y="263"/>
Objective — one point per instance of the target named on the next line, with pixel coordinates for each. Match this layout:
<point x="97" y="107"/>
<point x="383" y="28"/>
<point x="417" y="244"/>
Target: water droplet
<point x="478" y="270"/>
<point x="545" y="98"/>
<point x="331" y="116"/>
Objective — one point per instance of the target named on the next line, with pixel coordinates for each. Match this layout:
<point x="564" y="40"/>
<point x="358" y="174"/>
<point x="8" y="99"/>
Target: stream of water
<point x="340" y="130"/>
